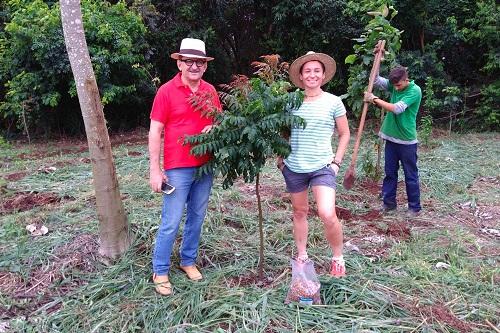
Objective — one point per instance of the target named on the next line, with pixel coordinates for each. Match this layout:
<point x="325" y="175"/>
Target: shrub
<point x="425" y="130"/>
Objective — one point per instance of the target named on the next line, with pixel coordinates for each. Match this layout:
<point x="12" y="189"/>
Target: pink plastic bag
<point x="304" y="288"/>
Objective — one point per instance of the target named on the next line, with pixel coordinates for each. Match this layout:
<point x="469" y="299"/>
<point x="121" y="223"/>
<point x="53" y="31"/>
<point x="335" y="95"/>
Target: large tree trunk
<point x="114" y="238"/>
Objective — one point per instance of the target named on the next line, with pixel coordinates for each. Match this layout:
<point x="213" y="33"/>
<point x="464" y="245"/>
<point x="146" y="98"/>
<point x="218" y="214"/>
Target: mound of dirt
<point x="399" y="230"/>
<point x="23" y="201"/>
<point x="441" y="314"/>
<point x="14" y="177"/>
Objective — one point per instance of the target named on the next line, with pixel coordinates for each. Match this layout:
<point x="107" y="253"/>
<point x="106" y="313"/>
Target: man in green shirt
<point x="399" y="130"/>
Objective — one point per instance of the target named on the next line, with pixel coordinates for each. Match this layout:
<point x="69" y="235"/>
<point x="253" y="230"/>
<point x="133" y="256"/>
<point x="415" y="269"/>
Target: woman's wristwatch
<point x="337" y="163"/>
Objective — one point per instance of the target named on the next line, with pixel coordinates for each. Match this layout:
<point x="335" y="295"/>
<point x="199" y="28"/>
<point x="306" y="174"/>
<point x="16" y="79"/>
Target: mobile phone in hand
<point x="167" y="188"/>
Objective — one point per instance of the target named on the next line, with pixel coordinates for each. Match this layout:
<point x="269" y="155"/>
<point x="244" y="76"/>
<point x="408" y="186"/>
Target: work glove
<point x="369" y="97"/>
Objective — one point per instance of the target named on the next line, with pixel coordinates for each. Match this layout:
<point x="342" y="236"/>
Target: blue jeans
<point x="190" y="193"/>
<point x="407" y="155"/>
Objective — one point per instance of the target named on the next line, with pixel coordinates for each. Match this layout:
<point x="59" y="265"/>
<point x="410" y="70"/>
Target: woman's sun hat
<point x="191" y="48"/>
<point x="325" y="59"/>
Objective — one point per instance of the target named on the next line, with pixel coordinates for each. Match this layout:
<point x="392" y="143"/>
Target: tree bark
<point x="114" y="237"/>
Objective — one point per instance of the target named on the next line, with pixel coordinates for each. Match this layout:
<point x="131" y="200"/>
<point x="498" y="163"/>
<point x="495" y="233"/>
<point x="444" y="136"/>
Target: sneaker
<point x="338" y="268"/>
<point x="192" y="272"/>
<point x="387" y="209"/>
<point x="412" y="213"/>
<point x="162" y="285"/>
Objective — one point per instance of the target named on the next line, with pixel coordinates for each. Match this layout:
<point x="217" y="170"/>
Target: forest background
<point x="450" y="47"/>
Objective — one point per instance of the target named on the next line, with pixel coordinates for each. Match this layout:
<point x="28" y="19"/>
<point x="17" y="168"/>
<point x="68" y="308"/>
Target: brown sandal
<point x="192" y="272"/>
<point x="162" y="285"/>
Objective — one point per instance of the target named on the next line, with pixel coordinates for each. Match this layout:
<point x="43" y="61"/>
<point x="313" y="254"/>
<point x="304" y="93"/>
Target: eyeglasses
<point x="190" y="62"/>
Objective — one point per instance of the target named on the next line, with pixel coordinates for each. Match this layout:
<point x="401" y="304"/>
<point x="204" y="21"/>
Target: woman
<point x="312" y="162"/>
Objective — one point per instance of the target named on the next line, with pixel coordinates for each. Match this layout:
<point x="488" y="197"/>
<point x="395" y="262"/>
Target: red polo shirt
<point x="172" y="108"/>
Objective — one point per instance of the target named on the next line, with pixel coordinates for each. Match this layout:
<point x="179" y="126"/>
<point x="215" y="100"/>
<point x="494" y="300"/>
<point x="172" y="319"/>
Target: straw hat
<point x="191" y="48"/>
<point x="296" y="66"/>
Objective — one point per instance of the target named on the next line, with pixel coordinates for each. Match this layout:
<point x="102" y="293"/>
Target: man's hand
<point x="369" y="97"/>
<point x="376" y="49"/>
<point x="156" y="178"/>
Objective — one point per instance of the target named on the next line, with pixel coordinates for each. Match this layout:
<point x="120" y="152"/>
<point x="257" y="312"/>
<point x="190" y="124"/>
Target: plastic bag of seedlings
<point x="305" y="285"/>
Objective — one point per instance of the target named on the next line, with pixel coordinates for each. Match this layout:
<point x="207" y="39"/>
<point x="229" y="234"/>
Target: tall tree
<point x="113" y="226"/>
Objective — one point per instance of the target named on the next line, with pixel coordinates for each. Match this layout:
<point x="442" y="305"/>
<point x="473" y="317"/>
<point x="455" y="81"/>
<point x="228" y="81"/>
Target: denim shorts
<point x="298" y="182"/>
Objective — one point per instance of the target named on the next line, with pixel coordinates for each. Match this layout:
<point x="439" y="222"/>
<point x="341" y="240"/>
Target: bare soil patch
<point x="439" y="313"/>
<point x="399" y="230"/>
<point x="370" y="186"/>
<point x="252" y="279"/>
<point x="14" y="177"/>
<point x="67" y="146"/>
<point x="378" y="237"/>
<point x="347" y="215"/>
<point x="39" y="154"/>
<point x="343" y="213"/>
<point x="133" y="138"/>
<point x="23" y="201"/>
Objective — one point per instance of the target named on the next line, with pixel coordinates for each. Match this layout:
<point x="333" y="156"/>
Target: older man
<point x="173" y="114"/>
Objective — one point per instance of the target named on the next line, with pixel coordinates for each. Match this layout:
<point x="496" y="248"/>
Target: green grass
<point x="399" y="291"/>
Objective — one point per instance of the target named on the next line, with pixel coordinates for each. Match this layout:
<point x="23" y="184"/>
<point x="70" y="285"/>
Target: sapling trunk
<point x="261" y="228"/>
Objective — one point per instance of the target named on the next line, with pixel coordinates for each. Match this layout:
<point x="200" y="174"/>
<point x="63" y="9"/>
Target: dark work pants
<point x="407" y="155"/>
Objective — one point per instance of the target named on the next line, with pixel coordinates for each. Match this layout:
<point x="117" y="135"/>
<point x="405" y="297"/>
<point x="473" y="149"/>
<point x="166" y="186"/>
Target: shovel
<point x="350" y="175"/>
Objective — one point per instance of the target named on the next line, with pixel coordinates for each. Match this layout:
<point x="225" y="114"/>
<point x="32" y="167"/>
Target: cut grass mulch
<point x="437" y="272"/>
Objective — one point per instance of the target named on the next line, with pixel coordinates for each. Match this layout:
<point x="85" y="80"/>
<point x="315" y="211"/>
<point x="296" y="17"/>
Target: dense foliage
<point x="450" y="47"/>
<point x="35" y="70"/>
